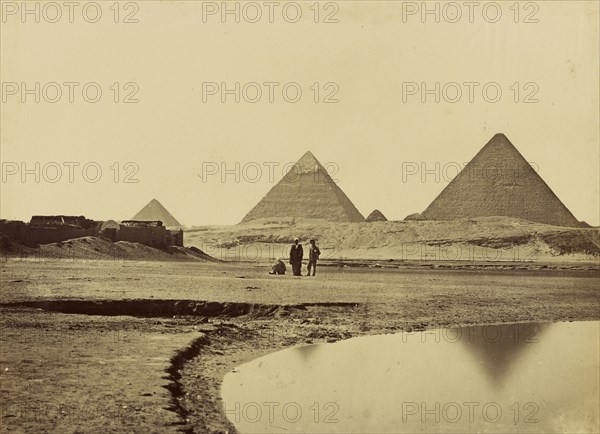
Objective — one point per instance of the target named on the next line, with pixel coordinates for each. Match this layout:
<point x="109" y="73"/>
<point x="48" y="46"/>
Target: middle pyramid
<point x="306" y="191"/>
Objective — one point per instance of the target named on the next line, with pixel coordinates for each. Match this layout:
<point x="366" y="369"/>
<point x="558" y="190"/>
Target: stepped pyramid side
<point x="154" y="210"/>
<point x="498" y="181"/>
<point x="307" y="191"/>
<point x="376" y="216"/>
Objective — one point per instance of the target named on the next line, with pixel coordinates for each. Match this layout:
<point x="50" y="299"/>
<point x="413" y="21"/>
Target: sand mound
<point x="94" y="248"/>
<point x="485" y="238"/>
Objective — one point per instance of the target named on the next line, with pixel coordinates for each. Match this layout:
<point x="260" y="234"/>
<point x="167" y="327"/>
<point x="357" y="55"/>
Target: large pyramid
<point x="498" y="181"/>
<point x="156" y="211"/>
<point x="307" y="191"/>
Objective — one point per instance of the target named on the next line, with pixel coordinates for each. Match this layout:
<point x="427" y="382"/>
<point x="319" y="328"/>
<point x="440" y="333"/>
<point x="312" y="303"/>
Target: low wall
<point x="176" y="238"/>
<point x="150" y="236"/>
<point x="32" y="235"/>
<point x="47" y="235"/>
<point x="16" y="230"/>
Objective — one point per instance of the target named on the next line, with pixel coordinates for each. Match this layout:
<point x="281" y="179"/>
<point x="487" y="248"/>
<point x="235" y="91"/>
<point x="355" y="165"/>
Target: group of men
<point x="296" y="256"/>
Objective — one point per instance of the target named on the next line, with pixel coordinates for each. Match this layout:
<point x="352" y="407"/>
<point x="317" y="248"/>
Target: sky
<point x="367" y="108"/>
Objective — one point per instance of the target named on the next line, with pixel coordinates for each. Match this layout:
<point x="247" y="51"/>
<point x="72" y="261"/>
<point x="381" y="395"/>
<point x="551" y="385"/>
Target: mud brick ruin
<point x="150" y="233"/>
<point x="55" y="229"/>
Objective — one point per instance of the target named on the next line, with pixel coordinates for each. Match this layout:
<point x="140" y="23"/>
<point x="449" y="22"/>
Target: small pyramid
<point x="498" y="181"/>
<point x="154" y="210"/>
<point x="306" y="191"/>
<point x="376" y="216"/>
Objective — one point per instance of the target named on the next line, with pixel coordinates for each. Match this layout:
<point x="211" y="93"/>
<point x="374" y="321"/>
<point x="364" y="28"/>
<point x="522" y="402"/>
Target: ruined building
<point x="150" y="233"/>
<point x="55" y="229"/>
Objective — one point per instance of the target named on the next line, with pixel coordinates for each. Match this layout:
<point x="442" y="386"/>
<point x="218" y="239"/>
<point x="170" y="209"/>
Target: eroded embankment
<point x="166" y="308"/>
<point x="175" y="387"/>
<point x="216" y="338"/>
<point x="207" y="404"/>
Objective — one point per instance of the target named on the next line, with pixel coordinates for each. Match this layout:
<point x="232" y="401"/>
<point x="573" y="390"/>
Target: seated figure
<point x="278" y="267"/>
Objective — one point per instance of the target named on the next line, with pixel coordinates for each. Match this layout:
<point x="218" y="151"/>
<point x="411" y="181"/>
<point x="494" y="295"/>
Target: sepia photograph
<point x="307" y="216"/>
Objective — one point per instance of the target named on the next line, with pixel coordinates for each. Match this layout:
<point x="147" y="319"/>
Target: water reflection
<point x="307" y="352"/>
<point x="509" y="378"/>
<point x="498" y="348"/>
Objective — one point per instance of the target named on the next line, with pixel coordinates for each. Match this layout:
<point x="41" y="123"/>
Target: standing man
<point x="296" y="255"/>
<point x="313" y="256"/>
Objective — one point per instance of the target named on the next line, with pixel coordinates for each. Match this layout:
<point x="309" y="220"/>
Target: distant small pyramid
<point x="154" y="210"/>
<point x="376" y="216"/>
<point x="498" y="181"/>
<point x="306" y="191"/>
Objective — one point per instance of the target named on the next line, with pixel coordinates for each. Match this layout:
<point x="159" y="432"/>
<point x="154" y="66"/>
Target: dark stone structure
<point x="49" y="229"/>
<point x="55" y="229"/>
<point x="150" y="233"/>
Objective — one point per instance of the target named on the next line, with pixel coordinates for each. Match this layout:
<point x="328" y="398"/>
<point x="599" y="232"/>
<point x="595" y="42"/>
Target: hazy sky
<point x="369" y="137"/>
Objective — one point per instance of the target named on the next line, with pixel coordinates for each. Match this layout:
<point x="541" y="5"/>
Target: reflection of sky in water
<point x="508" y="378"/>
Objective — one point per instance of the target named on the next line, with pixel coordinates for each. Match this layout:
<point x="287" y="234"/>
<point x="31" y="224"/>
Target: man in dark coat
<point x="313" y="256"/>
<point x="296" y="255"/>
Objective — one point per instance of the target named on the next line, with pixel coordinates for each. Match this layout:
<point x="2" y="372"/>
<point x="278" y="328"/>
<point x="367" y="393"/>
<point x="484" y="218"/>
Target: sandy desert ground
<point x="142" y="346"/>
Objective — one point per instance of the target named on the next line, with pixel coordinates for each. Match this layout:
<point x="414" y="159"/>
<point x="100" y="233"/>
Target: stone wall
<point x="56" y="234"/>
<point x="55" y="229"/>
<point x="153" y="236"/>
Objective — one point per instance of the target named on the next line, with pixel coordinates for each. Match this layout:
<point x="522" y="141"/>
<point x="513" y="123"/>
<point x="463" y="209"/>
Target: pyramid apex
<point x="307" y="163"/>
<point x="500" y="138"/>
<point x="308" y="156"/>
